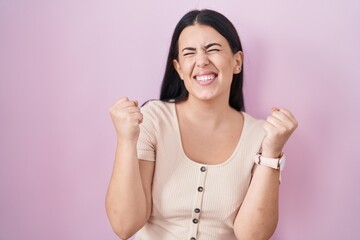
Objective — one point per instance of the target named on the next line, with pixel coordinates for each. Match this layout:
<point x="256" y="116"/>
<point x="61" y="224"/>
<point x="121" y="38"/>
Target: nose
<point x="202" y="59"/>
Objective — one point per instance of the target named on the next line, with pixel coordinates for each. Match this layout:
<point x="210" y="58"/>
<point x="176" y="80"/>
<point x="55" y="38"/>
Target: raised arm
<point x="258" y="216"/>
<point x="128" y="200"/>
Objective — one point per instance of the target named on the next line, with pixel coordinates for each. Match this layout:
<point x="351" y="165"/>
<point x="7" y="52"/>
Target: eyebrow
<point x="212" y="44"/>
<point x="188" y="48"/>
<point x="206" y="47"/>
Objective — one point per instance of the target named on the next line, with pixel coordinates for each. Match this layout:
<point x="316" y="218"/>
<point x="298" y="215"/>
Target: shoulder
<point x="157" y="108"/>
<point x="253" y="124"/>
<point x="250" y="119"/>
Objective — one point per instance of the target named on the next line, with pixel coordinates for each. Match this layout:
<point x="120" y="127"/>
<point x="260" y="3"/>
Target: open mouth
<point x="204" y="79"/>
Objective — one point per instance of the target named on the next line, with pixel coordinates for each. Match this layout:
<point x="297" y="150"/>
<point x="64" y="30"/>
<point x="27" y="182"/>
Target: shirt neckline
<point x="236" y="150"/>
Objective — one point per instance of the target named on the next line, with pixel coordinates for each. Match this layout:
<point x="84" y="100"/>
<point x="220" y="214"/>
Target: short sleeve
<point x="146" y="145"/>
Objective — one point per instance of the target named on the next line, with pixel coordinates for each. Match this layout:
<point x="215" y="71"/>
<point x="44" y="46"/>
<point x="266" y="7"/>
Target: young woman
<point x="193" y="165"/>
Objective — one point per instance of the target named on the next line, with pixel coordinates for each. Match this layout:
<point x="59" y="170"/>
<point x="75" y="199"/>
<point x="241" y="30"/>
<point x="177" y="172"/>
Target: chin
<point x="205" y="97"/>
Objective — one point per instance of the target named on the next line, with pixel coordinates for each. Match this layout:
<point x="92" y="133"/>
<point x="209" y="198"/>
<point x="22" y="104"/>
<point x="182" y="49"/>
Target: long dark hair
<point x="173" y="88"/>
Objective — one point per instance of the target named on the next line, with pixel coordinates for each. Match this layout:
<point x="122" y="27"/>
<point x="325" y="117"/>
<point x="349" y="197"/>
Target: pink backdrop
<point x="63" y="63"/>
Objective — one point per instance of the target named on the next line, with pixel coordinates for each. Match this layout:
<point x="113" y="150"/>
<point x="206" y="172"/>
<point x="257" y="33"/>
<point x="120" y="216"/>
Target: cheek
<point x="223" y="60"/>
<point x="225" y="65"/>
<point x="230" y="65"/>
<point x="187" y="66"/>
<point x="231" y="62"/>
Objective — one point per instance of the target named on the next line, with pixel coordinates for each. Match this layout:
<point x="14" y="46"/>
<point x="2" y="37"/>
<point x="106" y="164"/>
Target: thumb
<point x="136" y="103"/>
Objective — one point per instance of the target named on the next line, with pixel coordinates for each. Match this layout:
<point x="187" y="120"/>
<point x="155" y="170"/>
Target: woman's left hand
<point x="278" y="127"/>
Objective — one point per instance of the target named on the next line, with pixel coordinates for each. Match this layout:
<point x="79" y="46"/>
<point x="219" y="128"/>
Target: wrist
<point x="271" y="153"/>
<point x="277" y="163"/>
<point x="126" y="143"/>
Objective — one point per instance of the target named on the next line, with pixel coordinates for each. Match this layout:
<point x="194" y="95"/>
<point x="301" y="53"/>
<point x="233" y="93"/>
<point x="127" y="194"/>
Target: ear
<point x="238" y="57"/>
<point x="177" y="67"/>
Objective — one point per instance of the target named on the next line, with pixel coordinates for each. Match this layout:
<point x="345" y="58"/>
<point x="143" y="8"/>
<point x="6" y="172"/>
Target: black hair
<point x="173" y="88"/>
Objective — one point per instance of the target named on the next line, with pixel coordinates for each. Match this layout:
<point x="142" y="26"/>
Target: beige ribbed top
<point x="193" y="200"/>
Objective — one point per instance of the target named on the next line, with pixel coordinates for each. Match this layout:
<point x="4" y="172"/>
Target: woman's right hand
<point x="126" y="117"/>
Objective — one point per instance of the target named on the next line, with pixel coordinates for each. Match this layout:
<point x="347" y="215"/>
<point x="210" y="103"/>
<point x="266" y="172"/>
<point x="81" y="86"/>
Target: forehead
<point x="200" y="35"/>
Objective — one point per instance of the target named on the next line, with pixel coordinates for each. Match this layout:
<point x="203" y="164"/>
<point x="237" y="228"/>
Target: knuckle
<point x="127" y="117"/>
<point x="275" y="113"/>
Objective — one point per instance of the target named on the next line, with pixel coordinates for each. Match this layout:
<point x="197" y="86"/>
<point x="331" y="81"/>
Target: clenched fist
<point x="126" y="117"/>
<point x="278" y="127"/>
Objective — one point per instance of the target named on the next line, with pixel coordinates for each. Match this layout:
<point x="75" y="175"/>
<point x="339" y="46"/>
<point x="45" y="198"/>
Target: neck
<point x="211" y="113"/>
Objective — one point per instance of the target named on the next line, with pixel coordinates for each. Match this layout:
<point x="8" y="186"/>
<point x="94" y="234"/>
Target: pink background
<point x="64" y="63"/>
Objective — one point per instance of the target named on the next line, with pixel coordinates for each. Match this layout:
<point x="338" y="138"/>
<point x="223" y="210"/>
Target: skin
<point x="206" y="120"/>
<point x="206" y="115"/>
<point x="128" y="200"/>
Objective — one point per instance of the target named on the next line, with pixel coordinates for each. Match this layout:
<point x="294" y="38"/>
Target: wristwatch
<point x="276" y="163"/>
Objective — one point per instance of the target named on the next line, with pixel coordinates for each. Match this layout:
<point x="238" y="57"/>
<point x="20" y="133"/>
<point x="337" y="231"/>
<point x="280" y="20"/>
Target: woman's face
<point x="206" y="63"/>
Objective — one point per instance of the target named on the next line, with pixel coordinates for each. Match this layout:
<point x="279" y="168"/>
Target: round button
<point x="200" y="189"/>
<point x="195" y="221"/>
<point x="192" y="238"/>
<point x="197" y="210"/>
<point x="203" y="169"/>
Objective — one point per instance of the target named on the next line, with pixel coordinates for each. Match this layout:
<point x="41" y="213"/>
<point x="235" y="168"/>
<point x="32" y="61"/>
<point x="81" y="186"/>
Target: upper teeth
<point x="205" y="77"/>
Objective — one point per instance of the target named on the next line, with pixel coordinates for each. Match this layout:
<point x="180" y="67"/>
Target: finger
<point x="121" y="100"/>
<point x="292" y="122"/>
<point x="127" y="104"/>
<point x="139" y="117"/>
<point x="124" y="104"/>
<point x="282" y="123"/>
<point x="268" y="126"/>
<point x="127" y="109"/>
<point x="275" y="122"/>
<point x="131" y="103"/>
<point x="273" y="109"/>
<point x="136" y="117"/>
<point x="118" y="102"/>
<point x="288" y="114"/>
<point x="283" y="118"/>
<point x="132" y="109"/>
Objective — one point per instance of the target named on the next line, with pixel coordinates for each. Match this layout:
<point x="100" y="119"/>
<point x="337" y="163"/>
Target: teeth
<point x="205" y="78"/>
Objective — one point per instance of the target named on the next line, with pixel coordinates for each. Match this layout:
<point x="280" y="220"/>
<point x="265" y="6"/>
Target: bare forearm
<point x="126" y="201"/>
<point x="258" y="216"/>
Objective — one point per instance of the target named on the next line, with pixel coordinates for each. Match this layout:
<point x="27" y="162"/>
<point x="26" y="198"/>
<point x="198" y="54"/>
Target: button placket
<point x="198" y="202"/>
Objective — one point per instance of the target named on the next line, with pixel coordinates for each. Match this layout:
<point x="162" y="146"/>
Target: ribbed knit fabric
<point x="193" y="200"/>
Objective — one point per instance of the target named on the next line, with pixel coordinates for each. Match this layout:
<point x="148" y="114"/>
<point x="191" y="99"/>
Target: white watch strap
<point x="275" y="163"/>
<point x="267" y="161"/>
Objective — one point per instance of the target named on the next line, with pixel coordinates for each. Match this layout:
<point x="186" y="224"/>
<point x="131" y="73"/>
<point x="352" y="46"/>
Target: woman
<point x="193" y="165"/>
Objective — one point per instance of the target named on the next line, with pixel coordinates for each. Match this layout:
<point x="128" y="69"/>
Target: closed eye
<point x="213" y="50"/>
<point x="213" y="47"/>
<point x="188" y="53"/>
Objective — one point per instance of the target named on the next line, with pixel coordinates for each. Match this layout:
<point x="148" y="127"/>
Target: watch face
<point x="282" y="163"/>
